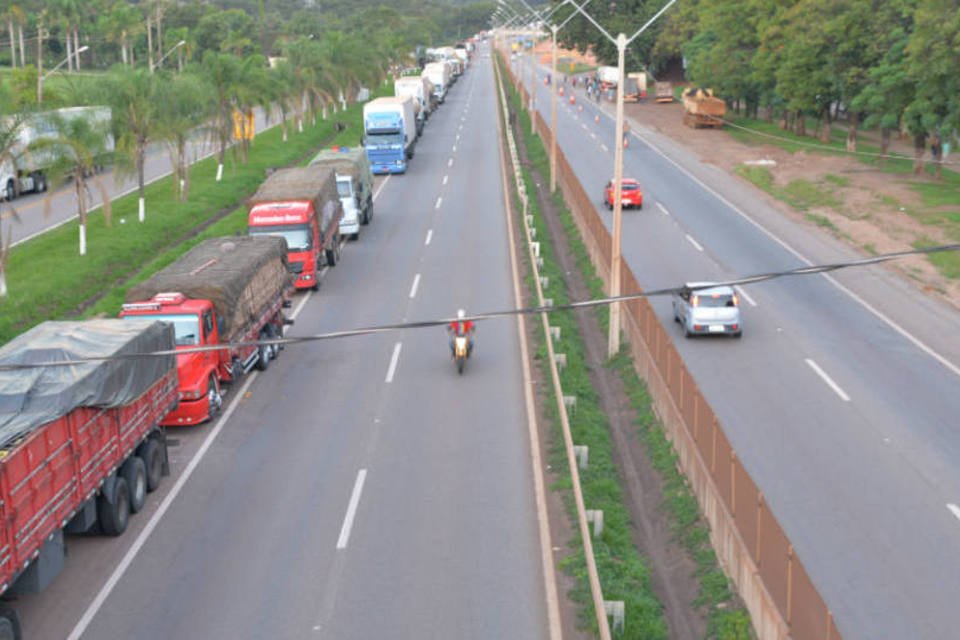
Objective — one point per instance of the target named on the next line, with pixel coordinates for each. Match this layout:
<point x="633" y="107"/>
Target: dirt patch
<point x="672" y="569"/>
<point x="872" y="209"/>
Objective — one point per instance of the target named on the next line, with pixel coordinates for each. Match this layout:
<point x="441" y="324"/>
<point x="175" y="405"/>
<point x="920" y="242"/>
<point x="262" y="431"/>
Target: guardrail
<point x="751" y="545"/>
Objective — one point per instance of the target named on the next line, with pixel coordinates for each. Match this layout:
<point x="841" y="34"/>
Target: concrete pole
<point x="40" y="62"/>
<point x="533" y="90"/>
<point x="553" y="115"/>
<point x="614" y="339"/>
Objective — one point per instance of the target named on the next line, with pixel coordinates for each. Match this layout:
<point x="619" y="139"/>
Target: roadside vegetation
<point x="624" y="573"/>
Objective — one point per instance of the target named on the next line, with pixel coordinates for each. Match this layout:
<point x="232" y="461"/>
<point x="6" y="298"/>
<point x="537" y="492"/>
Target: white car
<point x="702" y="309"/>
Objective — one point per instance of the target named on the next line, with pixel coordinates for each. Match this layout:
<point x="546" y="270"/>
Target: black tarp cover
<point x="30" y="398"/>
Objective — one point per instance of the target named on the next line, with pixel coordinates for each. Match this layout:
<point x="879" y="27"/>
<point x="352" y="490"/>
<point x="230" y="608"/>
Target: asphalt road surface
<point x="360" y="488"/>
<point x="840" y="399"/>
<point x="63" y="200"/>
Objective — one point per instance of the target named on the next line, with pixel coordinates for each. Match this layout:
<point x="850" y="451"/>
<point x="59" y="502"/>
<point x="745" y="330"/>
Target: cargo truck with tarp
<point x="354" y="184"/>
<point x="80" y="441"/>
<point x="224" y="291"/>
<point x="302" y="206"/>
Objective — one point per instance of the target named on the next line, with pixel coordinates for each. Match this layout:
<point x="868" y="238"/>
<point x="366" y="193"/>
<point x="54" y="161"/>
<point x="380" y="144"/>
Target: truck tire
<point x="10" y="626"/>
<point x="273" y="333"/>
<point x="134" y="471"/>
<point x="333" y="254"/>
<point x="10" y="193"/>
<point x="113" y="508"/>
<point x="214" y="397"/>
<point x="152" y="457"/>
<point x="39" y="182"/>
<point x="265" y="352"/>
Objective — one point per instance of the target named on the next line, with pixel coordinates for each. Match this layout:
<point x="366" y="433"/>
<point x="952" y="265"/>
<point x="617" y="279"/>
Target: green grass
<point x="947" y="262"/>
<point x="801" y="194"/>
<point x="622" y="569"/>
<point x="48" y="280"/>
<point x="840" y="181"/>
<point x="820" y="221"/>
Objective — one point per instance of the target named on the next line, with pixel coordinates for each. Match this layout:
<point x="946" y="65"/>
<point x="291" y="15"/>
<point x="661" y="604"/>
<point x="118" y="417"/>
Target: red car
<point x="630" y="194"/>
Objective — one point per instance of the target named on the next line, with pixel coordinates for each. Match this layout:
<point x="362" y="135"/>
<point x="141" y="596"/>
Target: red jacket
<point x="467" y="326"/>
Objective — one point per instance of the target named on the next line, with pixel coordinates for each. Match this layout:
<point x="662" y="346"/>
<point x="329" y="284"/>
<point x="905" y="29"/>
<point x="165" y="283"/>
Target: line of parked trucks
<point x="392" y="125"/>
<point x="82" y="444"/>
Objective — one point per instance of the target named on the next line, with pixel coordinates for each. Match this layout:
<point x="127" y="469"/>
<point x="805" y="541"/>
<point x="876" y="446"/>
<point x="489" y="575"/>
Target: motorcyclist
<point x="461" y="327"/>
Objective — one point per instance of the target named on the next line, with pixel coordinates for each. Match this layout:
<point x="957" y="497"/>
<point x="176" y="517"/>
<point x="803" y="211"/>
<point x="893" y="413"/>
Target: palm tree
<point x="183" y="101"/>
<point x="222" y="71"/>
<point x="9" y="142"/>
<point x="251" y="90"/>
<point x="77" y="146"/>
<point x="282" y="89"/>
<point x="120" y="26"/>
<point x="132" y="94"/>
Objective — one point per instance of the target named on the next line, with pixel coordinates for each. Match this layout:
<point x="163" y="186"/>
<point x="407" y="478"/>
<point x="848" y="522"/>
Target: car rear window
<point x="716" y="300"/>
<point x="629" y="187"/>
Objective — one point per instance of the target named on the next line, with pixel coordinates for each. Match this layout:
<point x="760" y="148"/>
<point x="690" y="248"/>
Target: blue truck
<point x="389" y="133"/>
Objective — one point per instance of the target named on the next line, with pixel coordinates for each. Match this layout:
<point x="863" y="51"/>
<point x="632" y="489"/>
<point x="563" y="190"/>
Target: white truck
<point x="439" y="74"/>
<point x="414" y="87"/>
<point x="390" y="133"/>
<point x="608" y="77"/>
<point x="354" y="185"/>
<point x="26" y="170"/>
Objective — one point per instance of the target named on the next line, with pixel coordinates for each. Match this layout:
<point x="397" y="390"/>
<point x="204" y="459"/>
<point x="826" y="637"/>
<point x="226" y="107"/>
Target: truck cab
<point x="297" y="223"/>
<point x="195" y="324"/>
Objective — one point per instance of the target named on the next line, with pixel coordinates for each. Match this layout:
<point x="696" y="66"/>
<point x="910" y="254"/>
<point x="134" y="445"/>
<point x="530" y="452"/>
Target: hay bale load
<point x="702" y="109"/>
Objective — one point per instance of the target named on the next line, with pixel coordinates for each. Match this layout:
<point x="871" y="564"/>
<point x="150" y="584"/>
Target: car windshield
<point x="344" y="188"/>
<point x="297" y="237"/>
<point x="186" y="327"/>
<point x="715" y="300"/>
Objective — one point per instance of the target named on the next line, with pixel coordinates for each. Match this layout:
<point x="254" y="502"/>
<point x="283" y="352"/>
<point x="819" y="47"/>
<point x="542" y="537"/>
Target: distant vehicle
<point x="708" y="310"/>
<point x="630" y="194"/>
<point x="390" y="133"/>
<point x="354" y="184"/>
<point x="439" y="74"/>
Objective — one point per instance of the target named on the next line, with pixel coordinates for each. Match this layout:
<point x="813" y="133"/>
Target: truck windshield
<point x="297" y="237"/>
<point x="186" y="327"/>
<point x="384" y="138"/>
<point x="344" y="188"/>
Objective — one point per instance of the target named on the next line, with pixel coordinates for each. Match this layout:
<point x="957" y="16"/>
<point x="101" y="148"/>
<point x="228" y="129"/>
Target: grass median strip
<point x="48" y="279"/>
<point x="624" y="573"/>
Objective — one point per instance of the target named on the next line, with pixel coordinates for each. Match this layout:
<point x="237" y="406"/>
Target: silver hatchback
<point x="707" y="310"/>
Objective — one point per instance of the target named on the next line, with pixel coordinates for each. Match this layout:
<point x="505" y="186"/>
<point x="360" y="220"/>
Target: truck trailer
<point x="438" y="73"/>
<point x="390" y="133"/>
<point x="80" y="443"/>
<point x="302" y="206"/>
<point x="228" y="291"/>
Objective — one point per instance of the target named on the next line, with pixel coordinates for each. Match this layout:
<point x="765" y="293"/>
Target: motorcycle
<point x="461" y="351"/>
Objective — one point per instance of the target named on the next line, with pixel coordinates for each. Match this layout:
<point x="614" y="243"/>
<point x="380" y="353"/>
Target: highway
<point x="840" y="399"/>
<point x="62" y="206"/>
<point x="360" y="488"/>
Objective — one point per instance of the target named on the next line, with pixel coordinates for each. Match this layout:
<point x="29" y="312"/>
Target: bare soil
<point x="871" y="211"/>
<point x="672" y="569"/>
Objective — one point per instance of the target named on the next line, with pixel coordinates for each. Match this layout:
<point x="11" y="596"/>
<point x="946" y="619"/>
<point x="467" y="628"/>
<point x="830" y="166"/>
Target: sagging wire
<point x="583" y="304"/>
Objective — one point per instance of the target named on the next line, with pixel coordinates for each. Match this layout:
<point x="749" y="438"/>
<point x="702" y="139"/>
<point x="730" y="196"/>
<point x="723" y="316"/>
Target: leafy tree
<point x="132" y="94"/>
<point x="183" y="101"/>
<point x="222" y="72"/>
<point x="231" y="31"/>
<point x="120" y="26"/>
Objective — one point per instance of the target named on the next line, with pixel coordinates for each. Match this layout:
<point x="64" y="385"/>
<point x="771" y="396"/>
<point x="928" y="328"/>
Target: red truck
<point x="223" y="291"/>
<point x="80" y="445"/>
<point x="301" y="205"/>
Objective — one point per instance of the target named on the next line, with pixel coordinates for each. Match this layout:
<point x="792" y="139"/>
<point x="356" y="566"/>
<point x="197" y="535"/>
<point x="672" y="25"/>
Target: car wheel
<point x="738" y="334"/>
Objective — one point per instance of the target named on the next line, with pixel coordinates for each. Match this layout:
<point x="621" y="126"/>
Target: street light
<point x="613" y="341"/>
<point x="158" y="63"/>
<point x="40" y="79"/>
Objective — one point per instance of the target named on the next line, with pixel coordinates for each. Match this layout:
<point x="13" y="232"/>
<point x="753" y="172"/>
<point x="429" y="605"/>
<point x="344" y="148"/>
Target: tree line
<point x="885" y="64"/>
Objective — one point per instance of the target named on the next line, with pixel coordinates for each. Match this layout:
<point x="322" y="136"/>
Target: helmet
<point x="460" y="314"/>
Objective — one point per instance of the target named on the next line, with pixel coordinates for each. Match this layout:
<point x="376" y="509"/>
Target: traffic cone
<point x="626" y="141"/>
<point x="560" y="91"/>
<point x="573" y="99"/>
<point x="596" y="118"/>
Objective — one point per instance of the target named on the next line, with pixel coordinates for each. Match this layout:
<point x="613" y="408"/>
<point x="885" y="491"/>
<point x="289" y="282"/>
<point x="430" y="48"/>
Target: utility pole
<point x="613" y="345"/>
<point x="553" y="113"/>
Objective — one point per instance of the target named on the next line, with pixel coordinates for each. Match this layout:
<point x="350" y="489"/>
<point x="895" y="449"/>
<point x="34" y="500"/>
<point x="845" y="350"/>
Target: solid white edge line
<point x="604" y="147"/>
<point x="416" y="283"/>
<point x="351" y="510"/>
<point x="454" y="149"/>
<point x="439" y="200"/>
<point x="445" y="178"/>
<point x="134" y="549"/>
<point x="303" y="301"/>
<point x="382" y="185"/>
<point x="745" y="295"/>
<point x="694" y="242"/>
<point x="833" y="385"/>
<point x="393" y="362"/>
<point x="429" y="236"/>
<point x="450" y="162"/>
<point x="954" y="509"/>
<point x="663" y="209"/>
<point x="953" y="368"/>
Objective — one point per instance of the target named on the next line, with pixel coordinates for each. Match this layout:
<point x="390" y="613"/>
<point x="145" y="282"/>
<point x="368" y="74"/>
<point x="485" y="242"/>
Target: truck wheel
<point x="272" y="334"/>
<point x="152" y="457"/>
<point x="10" y="193"/>
<point x="113" y="513"/>
<point x="265" y="352"/>
<point x="214" y="397"/>
<point x="10" y="625"/>
<point x="39" y="182"/>
<point x="135" y="473"/>
<point x="331" y="254"/>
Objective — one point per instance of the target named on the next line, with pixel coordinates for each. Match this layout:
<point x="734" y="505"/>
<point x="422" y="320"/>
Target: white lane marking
<point x="953" y="368"/>
<point x="429" y="236"/>
<point x="954" y="509"/>
<point x="604" y="147"/>
<point x="454" y="149"/>
<point x="833" y="385"/>
<point x="439" y="200"/>
<point x="663" y="209"/>
<point x="458" y="137"/>
<point x="694" y="243"/>
<point x="445" y="179"/>
<point x="745" y="295"/>
<point x="416" y="283"/>
<point x="134" y="549"/>
<point x="304" y="299"/>
<point x="382" y="185"/>
<point x="593" y="135"/>
<point x="584" y="125"/>
<point x="351" y="509"/>
<point x="393" y="362"/>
